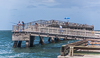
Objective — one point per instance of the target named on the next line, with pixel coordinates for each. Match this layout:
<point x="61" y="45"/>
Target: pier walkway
<point x="51" y="29"/>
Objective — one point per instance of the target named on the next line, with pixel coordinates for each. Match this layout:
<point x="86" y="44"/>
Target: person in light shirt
<point x="61" y="31"/>
<point x="18" y="26"/>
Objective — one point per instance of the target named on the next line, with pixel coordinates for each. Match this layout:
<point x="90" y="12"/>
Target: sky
<point x="79" y="11"/>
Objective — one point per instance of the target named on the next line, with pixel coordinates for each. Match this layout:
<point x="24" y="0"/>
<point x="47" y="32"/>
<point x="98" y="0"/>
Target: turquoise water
<point x="49" y="50"/>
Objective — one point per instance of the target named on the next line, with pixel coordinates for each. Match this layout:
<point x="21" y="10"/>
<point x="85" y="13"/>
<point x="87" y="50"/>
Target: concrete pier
<point x="51" y="29"/>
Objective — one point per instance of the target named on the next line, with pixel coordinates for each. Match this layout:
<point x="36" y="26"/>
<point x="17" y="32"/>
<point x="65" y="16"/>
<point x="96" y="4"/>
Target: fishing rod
<point x="16" y="23"/>
<point x="13" y="23"/>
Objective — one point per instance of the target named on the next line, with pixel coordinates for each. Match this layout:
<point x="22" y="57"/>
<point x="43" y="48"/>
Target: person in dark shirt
<point x="36" y="26"/>
<point x="23" y="24"/>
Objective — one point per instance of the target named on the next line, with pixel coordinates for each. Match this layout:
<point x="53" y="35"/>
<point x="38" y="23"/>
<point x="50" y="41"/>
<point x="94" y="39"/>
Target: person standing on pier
<point x="36" y="26"/>
<point x="61" y="31"/>
<point x="23" y="25"/>
<point x="18" y="26"/>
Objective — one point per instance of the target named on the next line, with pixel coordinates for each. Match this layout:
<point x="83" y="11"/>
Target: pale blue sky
<point x="79" y="11"/>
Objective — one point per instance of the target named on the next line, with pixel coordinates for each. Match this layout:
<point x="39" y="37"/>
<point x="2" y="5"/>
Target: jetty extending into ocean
<point x="50" y="29"/>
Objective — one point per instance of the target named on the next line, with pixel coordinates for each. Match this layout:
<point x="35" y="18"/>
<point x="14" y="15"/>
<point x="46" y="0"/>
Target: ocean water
<point x="49" y="50"/>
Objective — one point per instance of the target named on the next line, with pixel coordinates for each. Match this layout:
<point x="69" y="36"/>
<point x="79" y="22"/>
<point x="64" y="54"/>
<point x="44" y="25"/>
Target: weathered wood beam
<point x="71" y="51"/>
<point x="64" y="50"/>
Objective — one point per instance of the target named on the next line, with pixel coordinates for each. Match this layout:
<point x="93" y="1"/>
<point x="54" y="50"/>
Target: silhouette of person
<point x="23" y="24"/>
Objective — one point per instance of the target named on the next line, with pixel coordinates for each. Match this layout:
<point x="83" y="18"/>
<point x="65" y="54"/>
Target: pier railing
<point x="57" y="22"/>
<point x="43" y="28"/>
<point x="52" y="30"/>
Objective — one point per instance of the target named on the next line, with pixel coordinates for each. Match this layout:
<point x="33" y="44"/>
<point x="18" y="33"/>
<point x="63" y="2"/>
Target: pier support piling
<point x="65" y="38"/>
<point x="58" y="39"/>
<point x="19" y="43"/>
<point x="49" y="39"/>
<point x="71" y="51"/>
<point x="75" y="38"/>
<point x="52" y="39"/>
<point x="31" y="40"/>
<point x="41" y="41"/>
<point x="27" y="44"/>
<point x="15" y="44"/>
<point x="55" y="39"/>
<point x="84" y="38"/>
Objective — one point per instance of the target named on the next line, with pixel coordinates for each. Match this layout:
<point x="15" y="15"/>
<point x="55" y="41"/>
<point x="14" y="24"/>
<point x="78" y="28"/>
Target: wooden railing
<point x="82" y="49"/>
<point x="53" y="30"/>
<point x="69" y="48"/>
<point x="83" y="46"/>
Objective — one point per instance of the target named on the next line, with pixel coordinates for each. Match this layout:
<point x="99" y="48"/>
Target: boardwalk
<point x="51" y="29"/>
